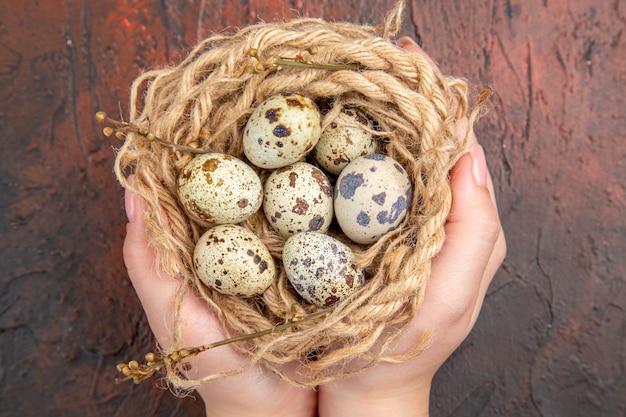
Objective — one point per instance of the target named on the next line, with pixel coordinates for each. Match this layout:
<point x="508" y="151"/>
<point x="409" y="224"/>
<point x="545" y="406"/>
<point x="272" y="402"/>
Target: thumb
<point x="460" y="272"/>
<point x="139" y="258"/>
<point x="155" y="290"/>
<point x="473" y="224"/>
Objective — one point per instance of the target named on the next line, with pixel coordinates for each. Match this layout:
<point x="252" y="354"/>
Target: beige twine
<point x="205" y="102"/>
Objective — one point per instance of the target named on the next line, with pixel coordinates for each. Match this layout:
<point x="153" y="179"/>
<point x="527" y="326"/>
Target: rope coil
<point x="205" y="101"/>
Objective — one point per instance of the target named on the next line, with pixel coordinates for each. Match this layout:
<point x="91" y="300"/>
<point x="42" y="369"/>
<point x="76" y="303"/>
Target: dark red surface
<point x="551" y="340"/>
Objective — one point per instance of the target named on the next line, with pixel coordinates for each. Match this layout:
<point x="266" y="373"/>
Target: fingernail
<point x="129" y="205"/>
<point x="479" y="164"/>
<point x="405" y="40"/>
<point x="130" y="199"/>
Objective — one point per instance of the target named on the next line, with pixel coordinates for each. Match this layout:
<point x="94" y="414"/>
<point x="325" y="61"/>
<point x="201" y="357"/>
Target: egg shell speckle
<point x="216" y="188"/>
<point x="298" y="198"/>
<point x="281" y="130"/>
<point x="346" y="138"/>
<point x="372" y="196"/>
<point x="322" y="269"/>
<point x="233" y="261"/>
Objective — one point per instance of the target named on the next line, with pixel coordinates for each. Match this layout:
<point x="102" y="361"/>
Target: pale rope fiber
<point x="205" y="102"/>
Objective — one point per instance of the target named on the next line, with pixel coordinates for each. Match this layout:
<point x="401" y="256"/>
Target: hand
<point x="255" y="392"/>
<point x="473" y="251"/>
<point x="461" y="273"/>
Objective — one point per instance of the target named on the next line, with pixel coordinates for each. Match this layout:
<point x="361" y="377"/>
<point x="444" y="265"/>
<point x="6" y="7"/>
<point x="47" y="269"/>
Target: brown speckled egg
<point x="283" y="129"/>
<point x="298" y="198"/>
<point x="322" y="269"/>
<point x="234" y="261"/>
<point x="215" y="188"/>
<point x="343" y="140"/>
<point x="372" y="196"/>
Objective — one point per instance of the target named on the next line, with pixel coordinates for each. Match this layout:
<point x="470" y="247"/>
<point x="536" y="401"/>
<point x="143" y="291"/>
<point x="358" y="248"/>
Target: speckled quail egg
<point x="322" y="269"/>
<point x="372" y="196"/>
<point x="283" y="129"/>
<point x="298" y="198"/>
<point x="346" y="138"/>
<point x="234" y="261"/>
<point x="216" y="188"/>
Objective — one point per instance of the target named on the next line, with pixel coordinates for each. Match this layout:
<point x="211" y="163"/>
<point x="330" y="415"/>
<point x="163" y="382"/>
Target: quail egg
<point x="216" y="188"/>
<point x="283" y="129"/>
<point x="233" y="261"/>
<point x="347" y="137"/>
<point x="298" y="198"/>
<point x="371" y="197"/>
<point x="322" y="269"/>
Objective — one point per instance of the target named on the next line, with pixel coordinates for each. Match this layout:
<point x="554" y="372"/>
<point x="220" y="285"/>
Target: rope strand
<point x="205" y="101"/>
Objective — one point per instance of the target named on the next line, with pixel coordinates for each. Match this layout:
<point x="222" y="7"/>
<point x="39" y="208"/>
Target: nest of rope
<point x="215" y="101"/>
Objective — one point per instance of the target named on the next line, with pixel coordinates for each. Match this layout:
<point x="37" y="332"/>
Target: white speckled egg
<point x="216" y="188"/>
<point x="298" y="198"/>
<point x="343" y="140"/>
<point x="234" y="261"/>
<point x="372" y="197"/>
<point x="322" y="269"/>
<point x="283" y="129"/>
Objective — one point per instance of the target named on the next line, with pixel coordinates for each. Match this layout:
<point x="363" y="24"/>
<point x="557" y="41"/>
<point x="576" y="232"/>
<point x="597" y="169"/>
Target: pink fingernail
<point x="130" y="199"/>
<point x="404" y="41"/>
<point x="479" y="164"/>
<point x="129" y="205"/>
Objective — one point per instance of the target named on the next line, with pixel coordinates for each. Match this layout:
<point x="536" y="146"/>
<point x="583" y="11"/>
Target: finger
<point x="472" y="231"/>
<point x="154" y="289"/>
<point x="410" y="45"/>
<point x="497" y="257"/>
<point x="157" y="290"/>
<point x="461" y="130"/>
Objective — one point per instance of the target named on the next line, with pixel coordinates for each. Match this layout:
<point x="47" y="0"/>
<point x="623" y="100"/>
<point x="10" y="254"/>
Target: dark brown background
<point x="551" y="338"/>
